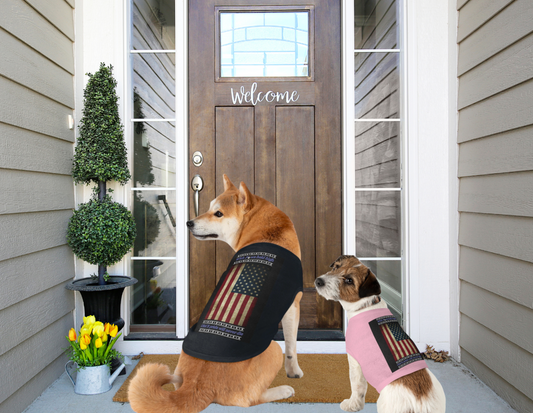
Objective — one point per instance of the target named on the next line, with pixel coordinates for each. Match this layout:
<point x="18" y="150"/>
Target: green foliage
<point x="147" y="222"/>
<point x="101" y="232"/>
<point x="100" y="153"/>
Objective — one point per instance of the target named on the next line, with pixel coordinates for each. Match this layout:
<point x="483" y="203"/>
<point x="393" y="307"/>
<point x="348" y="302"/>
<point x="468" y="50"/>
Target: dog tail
<point x="147" y="396"/>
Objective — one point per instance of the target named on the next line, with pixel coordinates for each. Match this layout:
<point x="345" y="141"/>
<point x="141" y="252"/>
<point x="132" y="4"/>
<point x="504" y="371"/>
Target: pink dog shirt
<point x="385" y="352"/>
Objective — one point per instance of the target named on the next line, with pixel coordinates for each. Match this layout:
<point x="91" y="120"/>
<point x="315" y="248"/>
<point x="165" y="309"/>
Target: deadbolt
<point x="197" y="158"/>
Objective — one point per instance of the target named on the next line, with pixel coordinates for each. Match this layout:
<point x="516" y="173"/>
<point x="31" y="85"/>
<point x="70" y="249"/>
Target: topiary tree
<point x="101" y="231"/>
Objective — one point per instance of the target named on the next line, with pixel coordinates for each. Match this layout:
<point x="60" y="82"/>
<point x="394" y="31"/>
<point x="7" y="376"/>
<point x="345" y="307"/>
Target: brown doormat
<point x="325" y="380"/>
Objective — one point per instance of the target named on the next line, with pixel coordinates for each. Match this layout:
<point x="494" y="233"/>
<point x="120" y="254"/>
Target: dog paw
<point x="349" y="405"/>
<point x="286" y="392"/>
<point x="293" y="370"/>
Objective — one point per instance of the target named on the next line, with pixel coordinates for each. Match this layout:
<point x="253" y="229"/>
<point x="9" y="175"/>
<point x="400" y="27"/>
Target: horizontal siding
<point x="501" y="316"/>
<point x="494" y="272"/>
<point x="57" y="12"/>
<point x="510" y="151"/>
<point x="35" y="273"/>
<point x="40" y="74"/>
<point x="17" y="402"/>
<point x="509" y="361"/>
<point x="515" y="398"/>
<point x="504" y="194"/>
<point x="33" y="111"/>
<point x="476" y="13"/>
<point x="22" y="363"/>
<point x="507" y="27"/>
<point x="508" y="110"/>
<point x="25" y="23"/>
<point x="504" y="70"/>
<point x="499" y="234"/>
<point x="25" y="150"/>
<point x="42" y="192"/>
<point x="51" y="305"/>
<point x="27" y="233"/>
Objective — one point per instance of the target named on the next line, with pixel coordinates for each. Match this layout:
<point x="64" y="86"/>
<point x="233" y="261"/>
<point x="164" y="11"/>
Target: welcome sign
<point x="250" y="96"/>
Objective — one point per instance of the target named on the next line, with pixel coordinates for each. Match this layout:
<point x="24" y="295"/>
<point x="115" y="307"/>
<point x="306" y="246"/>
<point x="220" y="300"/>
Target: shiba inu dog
<point x="378" y="349"/>
<point x="247" y="223"/>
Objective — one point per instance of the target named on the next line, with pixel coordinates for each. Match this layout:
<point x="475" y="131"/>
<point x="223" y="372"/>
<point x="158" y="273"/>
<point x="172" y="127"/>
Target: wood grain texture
<point x="32" y="273"/>
<point x="51" y="304"/>
<point x="504" y="358"/>
<point x="508" y="110"/>
<point x="476" y="13"/>
<point x="39" y="74"/>
<point x="505" y="152"/>
<point x="57" y="12"/>
<point x="504" y="194"/>
<point x="506" y="318"/>
<point x="25" y="150"/>
<point x="502" y="71"/>
<point x="46" y="116"/>
<point x="503" y="29"/>
<point x="41" y="192"/>
<point x="503" y="235"/>
<point x="31" y="232"/>
<point x="514" y="397"/>
<point x="25" y="23"/>
<point x="506" y="277"/>
<point x="30" y="357"/>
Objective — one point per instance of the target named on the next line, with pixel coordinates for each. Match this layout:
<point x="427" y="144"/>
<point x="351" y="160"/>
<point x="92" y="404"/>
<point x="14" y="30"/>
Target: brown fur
<point x="363" y="281"/>
<point x="419" y="383"/>
<point x="244" y="383"/>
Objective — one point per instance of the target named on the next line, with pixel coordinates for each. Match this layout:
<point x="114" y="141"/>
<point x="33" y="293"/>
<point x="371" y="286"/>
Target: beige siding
<point x="36" y="148"/>
<point x="495" y="194"/>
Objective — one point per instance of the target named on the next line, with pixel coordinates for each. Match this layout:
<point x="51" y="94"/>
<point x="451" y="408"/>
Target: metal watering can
<point x="93" y="380"/>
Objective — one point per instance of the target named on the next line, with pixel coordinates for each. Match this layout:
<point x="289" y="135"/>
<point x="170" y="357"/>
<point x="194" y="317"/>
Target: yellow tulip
<point x="90" y="319"/>
<point x="85" y="340"/>
<point x="98" y="342"/>
<point x="98" y="329"/>
<point x="104" y="338"/>
<point x="86" y="329"/>
<point x="113" y="330"/>
<point x="72" y="335"/>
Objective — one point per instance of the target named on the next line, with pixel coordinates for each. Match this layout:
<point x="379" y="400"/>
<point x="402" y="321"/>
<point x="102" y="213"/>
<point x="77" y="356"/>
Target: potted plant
<point x="92" y="351"/>
<point x="101" y="231"/>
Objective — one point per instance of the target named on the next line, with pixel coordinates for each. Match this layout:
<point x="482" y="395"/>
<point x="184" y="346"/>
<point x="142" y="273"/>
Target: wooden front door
<point x="264" y="108"/>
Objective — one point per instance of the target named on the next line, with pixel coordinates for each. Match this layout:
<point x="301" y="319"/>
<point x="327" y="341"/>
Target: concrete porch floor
<point x="464" y="394"/>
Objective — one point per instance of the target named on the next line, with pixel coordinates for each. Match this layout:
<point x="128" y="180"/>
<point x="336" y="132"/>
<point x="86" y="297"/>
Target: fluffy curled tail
<point x="146" y="394"/>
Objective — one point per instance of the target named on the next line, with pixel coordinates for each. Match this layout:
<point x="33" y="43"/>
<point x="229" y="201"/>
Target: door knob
<point x="197" y="184"/>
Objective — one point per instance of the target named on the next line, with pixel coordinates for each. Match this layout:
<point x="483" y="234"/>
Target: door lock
<point x="197" y="184"/>
<point x="197" y="158"/>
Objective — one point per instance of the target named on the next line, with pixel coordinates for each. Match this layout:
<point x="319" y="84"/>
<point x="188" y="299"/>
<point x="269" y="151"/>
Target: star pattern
<point x="251" y="280"/>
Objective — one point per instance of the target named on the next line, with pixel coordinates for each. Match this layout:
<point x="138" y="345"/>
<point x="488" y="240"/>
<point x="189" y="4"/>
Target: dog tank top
<point x="243" y="313"/>
<point x="385" y="352"/>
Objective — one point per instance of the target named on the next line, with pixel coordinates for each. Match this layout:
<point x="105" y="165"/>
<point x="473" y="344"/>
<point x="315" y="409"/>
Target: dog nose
<point x="190" y="224"/>
<point x="319" y="282"/>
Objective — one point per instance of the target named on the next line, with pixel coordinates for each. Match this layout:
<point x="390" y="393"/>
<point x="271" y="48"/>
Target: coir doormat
<point x="325" y="380"/>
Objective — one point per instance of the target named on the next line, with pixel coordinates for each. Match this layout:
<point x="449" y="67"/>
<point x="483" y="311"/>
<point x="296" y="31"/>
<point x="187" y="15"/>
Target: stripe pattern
<point x="397" y="347"/>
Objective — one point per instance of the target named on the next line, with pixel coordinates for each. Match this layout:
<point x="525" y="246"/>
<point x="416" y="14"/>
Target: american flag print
<point x="397" y="347"/>
<point x="235" y="301"/>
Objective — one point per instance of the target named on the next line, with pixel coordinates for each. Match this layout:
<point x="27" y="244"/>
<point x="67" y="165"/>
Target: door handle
<point x="197" y="184"/>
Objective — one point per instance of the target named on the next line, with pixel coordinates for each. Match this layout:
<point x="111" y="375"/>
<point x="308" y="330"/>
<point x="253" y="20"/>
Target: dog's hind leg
<point x="290" y="331"/>
<point x="276" y="393"/>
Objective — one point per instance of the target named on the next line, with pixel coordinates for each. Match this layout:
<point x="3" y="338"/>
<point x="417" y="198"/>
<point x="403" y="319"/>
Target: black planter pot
<point x="103" y="301"/>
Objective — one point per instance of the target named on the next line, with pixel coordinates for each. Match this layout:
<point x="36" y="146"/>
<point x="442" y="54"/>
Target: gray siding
<point x="495" y="194"/>
<point x="37" y="195"/>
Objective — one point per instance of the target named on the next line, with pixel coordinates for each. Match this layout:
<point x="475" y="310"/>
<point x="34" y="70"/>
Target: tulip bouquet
<point x="94" y="344"/>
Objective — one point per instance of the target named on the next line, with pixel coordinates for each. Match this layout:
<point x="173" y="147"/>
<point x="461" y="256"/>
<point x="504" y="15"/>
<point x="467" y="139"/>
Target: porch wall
<point x="496" y="187"/>
<point x="37" y="195"/>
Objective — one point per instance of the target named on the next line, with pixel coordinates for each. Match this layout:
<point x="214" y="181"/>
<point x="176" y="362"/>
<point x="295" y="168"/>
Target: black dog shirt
<point x="243" y="313"/>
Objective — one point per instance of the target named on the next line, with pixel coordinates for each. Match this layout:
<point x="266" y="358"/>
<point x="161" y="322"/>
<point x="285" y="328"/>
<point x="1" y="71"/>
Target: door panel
<point x="281" y="136"/>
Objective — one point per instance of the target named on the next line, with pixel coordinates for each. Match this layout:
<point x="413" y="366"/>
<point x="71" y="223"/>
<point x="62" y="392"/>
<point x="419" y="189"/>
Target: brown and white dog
<point x="357" y="289"/>
<point x="239" y="218"/>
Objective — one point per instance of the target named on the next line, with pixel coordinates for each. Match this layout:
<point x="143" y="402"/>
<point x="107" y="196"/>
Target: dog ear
<point x="246" y="198"/>
<point x="370" y="286"/>
<point x="228" y="184"/>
